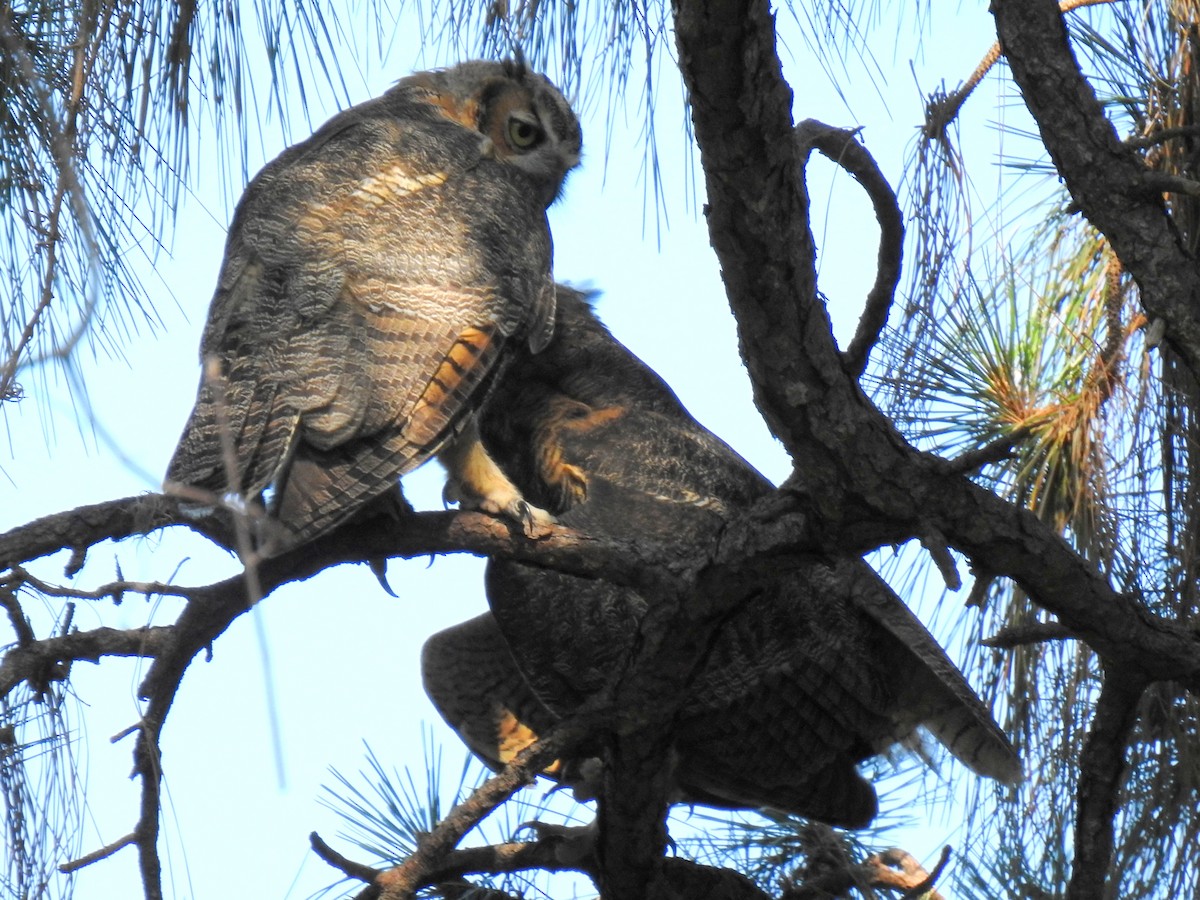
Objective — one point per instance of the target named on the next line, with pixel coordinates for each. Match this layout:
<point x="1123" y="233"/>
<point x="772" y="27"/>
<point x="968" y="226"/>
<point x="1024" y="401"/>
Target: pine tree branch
<point x="858" y="484"/>
<point x="1106" y="178"/>
<point x="1101" y="773"/>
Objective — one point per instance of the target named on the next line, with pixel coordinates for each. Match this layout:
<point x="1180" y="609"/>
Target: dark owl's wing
<point x="373" y="275"/>
<point x="782" y="711"/>
<point x="810" y="678"/>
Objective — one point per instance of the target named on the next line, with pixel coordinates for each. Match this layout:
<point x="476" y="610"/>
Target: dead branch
<point x="345" y="865"/>
<point x="96" y="855"/>
<point x="42" y="661"/>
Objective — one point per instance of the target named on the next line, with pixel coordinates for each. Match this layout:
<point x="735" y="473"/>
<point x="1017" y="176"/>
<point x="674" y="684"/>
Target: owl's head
<point x="527" y="119"/>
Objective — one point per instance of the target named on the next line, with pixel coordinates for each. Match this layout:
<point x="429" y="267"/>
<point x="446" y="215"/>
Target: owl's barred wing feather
<point x="472" y="356"/>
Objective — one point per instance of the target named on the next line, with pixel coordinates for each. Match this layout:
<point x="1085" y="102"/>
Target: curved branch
<point x="842" y="147"/>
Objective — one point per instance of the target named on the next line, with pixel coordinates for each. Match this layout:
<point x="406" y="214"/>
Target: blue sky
<point x="344" y="655"/>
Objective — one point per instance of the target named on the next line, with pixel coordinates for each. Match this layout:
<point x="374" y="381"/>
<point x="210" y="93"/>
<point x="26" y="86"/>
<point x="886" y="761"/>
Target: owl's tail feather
<point x="323" y="489"/>
<point x="935" y="694"/>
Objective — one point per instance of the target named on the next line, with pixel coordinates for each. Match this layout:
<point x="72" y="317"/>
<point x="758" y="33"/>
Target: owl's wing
<point x="476" y="687"/>
<point x="373" y="275"/>
<point x="788" y="701"/>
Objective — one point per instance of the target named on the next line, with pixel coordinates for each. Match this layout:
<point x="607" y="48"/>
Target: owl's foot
<point x="502" y="500"/>
<point x="475" y="482"/>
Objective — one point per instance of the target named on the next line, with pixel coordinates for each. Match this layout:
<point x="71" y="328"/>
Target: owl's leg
<point x="476" y="482"/>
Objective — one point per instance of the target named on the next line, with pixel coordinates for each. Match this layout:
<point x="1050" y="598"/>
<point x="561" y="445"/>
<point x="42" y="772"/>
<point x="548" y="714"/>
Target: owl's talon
<point x="535" y="521"/>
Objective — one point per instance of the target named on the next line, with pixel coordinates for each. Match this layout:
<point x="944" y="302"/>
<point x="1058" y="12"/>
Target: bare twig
<point x="1166" y="183"/>
<point x="16" y="615"/>
<point x="1161" y="135"/>
<point x="96" y="855"/>
<point x="994" y="451"/>
<point x="1032" y="633"/>
<point x="114" y="590"/>
<point x="943" y="109"/>
<point x="346" y="866"/>
<point x="936" y="546"/>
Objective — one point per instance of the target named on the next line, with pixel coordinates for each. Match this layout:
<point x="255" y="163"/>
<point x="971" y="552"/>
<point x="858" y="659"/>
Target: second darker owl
<point x="814" y="673"/>
<point x="377" y="277"/>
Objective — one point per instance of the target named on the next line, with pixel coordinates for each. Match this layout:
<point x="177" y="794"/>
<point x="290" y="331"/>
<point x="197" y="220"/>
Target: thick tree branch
<point x="1107" y="180"/>
<point x="83" y="527"/>
<point x="422" y="534"/>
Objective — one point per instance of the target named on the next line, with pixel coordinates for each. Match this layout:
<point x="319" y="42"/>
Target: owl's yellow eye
<point x="523" y="134"/>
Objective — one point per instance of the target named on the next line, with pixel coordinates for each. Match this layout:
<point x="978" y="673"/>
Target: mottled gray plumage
<point x="376" y="278"/>
<point x="815" y="673"/>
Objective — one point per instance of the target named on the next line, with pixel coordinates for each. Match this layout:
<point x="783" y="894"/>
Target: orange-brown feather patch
<point x="460" y="371"/>
<point x="513" y="736"/>
<point x="564" y="415"/>
<point x="464" y="110"/>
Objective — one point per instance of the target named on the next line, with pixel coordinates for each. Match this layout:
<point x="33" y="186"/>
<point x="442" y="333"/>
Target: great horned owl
<point x="377" y="277"/>
<point x="820" y="669"/>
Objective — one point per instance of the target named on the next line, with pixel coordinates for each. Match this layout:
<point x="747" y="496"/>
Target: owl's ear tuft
<point x="516" y="67"/>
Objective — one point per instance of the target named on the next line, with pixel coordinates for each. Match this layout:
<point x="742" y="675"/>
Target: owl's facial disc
<point x="533" y="129"/>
